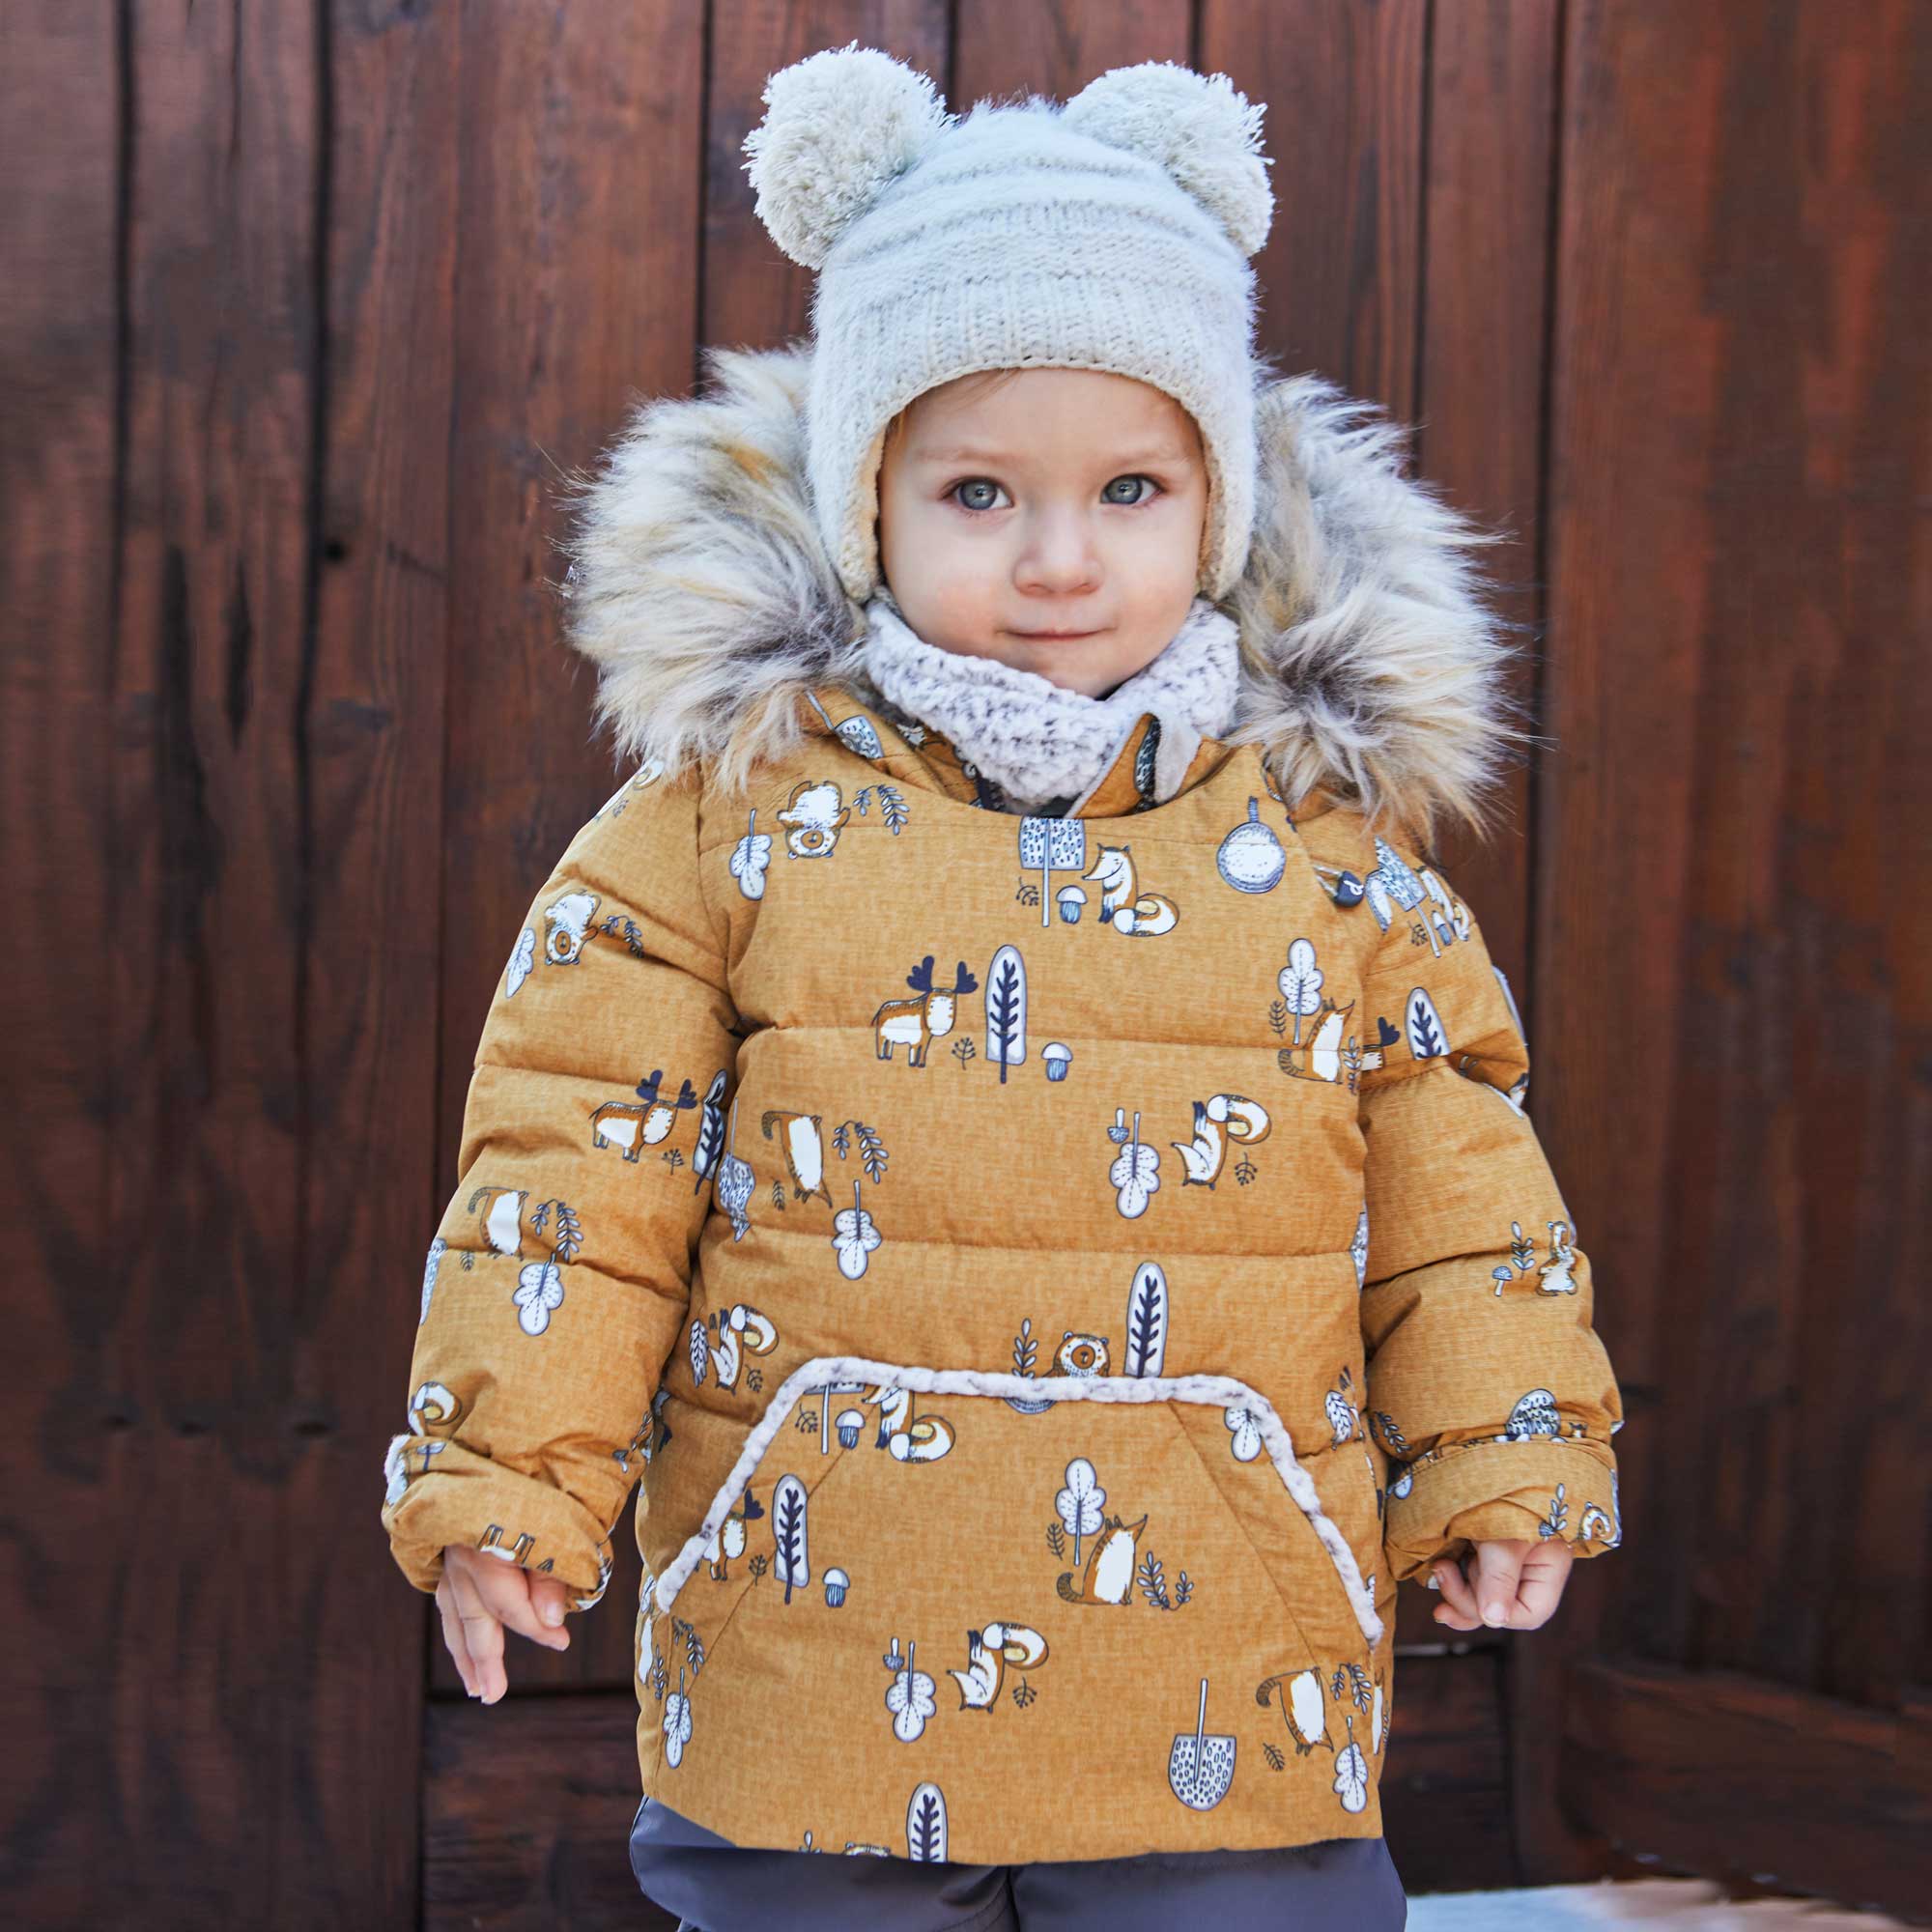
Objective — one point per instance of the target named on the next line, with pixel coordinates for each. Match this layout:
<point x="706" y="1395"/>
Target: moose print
<point x="916" y="1023"/>
<point x="631" y="1125"/>
<point x="1123" y="904"/>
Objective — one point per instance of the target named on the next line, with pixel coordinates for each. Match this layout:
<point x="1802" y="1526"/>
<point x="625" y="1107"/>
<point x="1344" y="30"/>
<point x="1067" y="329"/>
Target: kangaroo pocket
<point x="989" y="1578"/>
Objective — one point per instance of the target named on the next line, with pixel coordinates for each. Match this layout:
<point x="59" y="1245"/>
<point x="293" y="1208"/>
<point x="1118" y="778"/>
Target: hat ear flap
<point x="1197" y="126"/>
<point x="839" y="126"/>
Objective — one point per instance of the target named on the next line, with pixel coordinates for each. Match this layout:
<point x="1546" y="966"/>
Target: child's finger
<point x="452" y="1632"/>
<point x="1498" y="1564"/>
<point x="483" y="1633"/>
<point x="508" y="1591"/>
<point x="1540" y="1586"/>
<point x="1457" y="1607"/>
<point x="550" y="1596"/>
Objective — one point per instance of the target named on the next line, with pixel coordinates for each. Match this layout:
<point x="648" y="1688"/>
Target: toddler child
<point x="1116" y="1252"/>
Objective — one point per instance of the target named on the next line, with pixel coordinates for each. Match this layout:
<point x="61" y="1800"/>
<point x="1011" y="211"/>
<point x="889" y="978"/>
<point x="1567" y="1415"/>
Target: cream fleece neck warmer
<point x="1041" y="743"/>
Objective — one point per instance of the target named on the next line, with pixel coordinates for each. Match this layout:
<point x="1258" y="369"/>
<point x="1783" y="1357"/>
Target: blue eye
<point x="972" y="483"/>
<point x="985" y="483"/>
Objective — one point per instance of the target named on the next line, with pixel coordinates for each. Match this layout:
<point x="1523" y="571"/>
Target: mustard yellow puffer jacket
<point x="1054" y="1277"/>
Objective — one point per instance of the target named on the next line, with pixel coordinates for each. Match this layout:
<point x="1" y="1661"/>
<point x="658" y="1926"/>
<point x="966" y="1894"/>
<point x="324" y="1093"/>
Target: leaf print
<point x="539" y="1291"/>
<point x="910" y="1700"/>
<point x="750" y="858"/>
<point x="700" y="1352"/>
<point x="1247" y="1434"/>
<point x="1351" y="1775"/>
<point x="523" y="956"/>
<point x="676" y="1724"/>
<point x="437" y="1248"/>
<point x="1136" y="1171"/>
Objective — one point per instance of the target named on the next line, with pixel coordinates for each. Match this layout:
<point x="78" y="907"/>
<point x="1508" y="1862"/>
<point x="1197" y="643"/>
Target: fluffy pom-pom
<point x="838" y="126"/>
<point x="1198" y="126"/>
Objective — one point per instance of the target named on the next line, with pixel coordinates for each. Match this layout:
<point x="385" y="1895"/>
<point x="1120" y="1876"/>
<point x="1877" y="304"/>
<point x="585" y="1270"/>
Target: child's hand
<point x="477" y="1595"/>
<point x="1511" y="1585"/>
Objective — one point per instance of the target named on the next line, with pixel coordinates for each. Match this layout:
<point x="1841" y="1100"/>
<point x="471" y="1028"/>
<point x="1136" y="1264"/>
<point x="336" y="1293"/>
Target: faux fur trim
<point x="1221" y="1391"/>
<point x="700" y="586"/>
<point x="1039" y="741"/>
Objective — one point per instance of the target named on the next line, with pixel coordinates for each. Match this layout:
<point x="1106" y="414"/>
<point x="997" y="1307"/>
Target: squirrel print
<point x="1108" y="1576"/>
<point x="989" y="1653"/>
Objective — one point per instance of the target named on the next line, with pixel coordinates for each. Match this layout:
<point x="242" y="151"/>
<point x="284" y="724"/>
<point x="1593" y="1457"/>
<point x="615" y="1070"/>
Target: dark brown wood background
<point x="305" y="307"/>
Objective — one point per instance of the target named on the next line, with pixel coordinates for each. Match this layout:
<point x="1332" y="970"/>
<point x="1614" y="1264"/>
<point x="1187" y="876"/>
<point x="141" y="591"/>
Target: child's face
<point x="1047" y="499"/>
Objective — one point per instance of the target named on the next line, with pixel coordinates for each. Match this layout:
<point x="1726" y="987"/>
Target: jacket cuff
<point x="465" y="1498"/>
<point x="1481" y="1492"/>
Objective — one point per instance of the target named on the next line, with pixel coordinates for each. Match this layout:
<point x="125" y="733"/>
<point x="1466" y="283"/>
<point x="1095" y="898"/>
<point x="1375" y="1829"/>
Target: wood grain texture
<point x="69" y="1428"/>
<point x="1737" y="1777"/>
<point x="577" y="294"/>
<point x="310" y="312"/>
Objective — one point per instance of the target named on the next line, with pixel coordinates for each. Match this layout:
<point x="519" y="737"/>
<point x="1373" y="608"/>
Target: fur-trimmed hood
<point x="1372" y="665"/>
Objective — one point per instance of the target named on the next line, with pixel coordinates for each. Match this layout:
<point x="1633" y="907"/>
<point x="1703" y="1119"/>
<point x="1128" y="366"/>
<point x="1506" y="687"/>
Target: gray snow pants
<point x="1341" y="1885"/>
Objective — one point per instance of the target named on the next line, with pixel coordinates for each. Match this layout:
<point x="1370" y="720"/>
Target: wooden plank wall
<point x="309" y="308"/>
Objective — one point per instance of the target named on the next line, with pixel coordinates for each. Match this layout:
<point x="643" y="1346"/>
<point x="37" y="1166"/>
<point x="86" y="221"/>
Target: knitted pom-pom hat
<point x="1112" y="233"/>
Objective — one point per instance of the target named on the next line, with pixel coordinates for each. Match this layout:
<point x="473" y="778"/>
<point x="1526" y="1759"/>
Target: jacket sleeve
<point x="560" y="1278"/>
<point x="1486" y="1384"/>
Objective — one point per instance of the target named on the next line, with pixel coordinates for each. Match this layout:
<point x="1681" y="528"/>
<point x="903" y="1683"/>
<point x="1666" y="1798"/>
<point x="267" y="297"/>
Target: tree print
<point x="794" y="1568"/>
<point x="1147" y="1320"/>
<point x="1078" y="1505"/>
<point x="1006" y="1002"/>
<point x="1300" y="982"/>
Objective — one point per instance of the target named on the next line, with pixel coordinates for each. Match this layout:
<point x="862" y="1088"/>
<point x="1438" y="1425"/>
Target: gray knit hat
<point x="1112" y="233"/>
